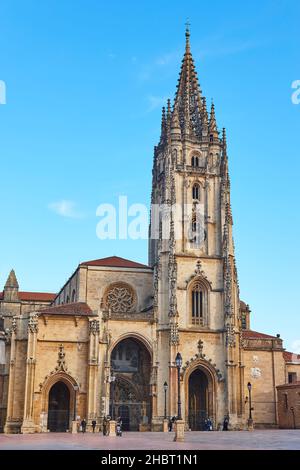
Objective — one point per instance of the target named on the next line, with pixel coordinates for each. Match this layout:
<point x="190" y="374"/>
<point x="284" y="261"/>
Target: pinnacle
<point x="11" y="281"/>
<point x="212" y="121"/>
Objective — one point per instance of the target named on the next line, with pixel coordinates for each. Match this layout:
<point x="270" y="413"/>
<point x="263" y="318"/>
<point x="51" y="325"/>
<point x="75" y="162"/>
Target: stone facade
<point x="289" y="405"/>
<point x="106" y="343"/>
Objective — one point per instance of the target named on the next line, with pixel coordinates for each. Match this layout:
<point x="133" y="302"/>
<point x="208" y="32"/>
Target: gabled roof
<point x="115" y="262"/>
<point x="76" y="309"/>
<point x="250" y="334"/>
<point x="34" y="296"/>
<point x="291" y="357"/>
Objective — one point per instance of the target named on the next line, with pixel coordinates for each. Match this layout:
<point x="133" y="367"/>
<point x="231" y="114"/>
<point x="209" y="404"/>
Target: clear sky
<point x="85" y="82"/>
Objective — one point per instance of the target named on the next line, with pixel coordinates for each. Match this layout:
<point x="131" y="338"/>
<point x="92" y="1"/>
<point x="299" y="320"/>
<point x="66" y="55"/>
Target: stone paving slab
<point x="231" y="440"/>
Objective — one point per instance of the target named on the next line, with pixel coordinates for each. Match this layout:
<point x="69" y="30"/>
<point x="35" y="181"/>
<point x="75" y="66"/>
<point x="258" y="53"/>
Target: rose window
<point x="120" y="298"/>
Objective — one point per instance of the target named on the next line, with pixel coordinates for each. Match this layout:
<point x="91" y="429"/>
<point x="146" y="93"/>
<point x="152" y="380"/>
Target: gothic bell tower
<point x="196" y="293"/>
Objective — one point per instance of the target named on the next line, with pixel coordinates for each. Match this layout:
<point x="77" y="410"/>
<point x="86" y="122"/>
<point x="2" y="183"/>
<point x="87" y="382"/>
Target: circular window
<point x="119" y="298"/>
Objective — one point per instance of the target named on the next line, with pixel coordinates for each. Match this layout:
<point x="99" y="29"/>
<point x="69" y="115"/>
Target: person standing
<point x="94" y="425"/>
<point x="104" y="426"/>
<point x="225" y="423"/>
<point x="83" y="425"/>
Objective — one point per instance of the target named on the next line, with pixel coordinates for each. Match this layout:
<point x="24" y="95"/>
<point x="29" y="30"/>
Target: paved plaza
<point x="232" y="440"/>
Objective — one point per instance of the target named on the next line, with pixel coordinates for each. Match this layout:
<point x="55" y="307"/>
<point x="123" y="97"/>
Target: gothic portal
<point x="131" y="364"/>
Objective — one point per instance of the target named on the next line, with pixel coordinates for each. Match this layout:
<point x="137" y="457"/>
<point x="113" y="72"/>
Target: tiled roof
<point x="34" y="296"/>
<point x="114" y="261"/>
<point x="250" y="334"/>
<point x="77" y="309"/>
<point x="291" y="357"/>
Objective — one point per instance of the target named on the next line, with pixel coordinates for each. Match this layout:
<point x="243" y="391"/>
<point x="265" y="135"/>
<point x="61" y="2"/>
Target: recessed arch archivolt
<point x="51" y="380"/>
<point x="146" y="342"/>
<point x="200" y="361"/>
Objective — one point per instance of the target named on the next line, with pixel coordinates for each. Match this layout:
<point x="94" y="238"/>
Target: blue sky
<point x="85" y="82"/>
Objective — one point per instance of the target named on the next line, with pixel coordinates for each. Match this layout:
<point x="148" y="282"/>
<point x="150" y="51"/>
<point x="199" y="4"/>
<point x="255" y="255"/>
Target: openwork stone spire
<point x="188" y="96"/>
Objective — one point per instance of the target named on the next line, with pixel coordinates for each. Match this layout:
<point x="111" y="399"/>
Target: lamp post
<point x="179" y="425"/>
<point x="165" y="389"/>
<point x="76" y="388"/>
<point x="250" y="420"/>
<point x="178" y="362"/>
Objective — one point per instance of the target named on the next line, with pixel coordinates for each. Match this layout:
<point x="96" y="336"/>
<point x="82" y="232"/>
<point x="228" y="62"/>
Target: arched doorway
<point x="131" y="365"/>
<point x="59" y="408"/>
<point x="198" y="390"/>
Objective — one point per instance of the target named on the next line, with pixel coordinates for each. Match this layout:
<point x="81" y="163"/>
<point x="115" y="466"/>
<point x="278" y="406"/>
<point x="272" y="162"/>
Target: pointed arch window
<point x="196" y="192"/>
<point x="195" y="161"/>
<point x="73" y="295"/>
<point x="198" y="304"/>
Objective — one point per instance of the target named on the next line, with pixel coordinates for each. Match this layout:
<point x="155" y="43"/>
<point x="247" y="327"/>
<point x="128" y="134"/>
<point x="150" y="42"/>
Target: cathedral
<point x="106" y="343"/>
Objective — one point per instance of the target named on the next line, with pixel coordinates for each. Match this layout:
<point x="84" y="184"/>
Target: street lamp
<point x="165" y="389"/>
<point x="112" y="380"/>
<point x="76" y="388"/>
<point x="249" y="386"/>
<point x="178" y="362"/>
<point x="250" y="420"/>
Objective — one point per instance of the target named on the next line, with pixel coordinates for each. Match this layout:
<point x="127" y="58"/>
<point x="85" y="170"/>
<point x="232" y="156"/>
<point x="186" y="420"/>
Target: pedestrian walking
<point x="94" y="425"/>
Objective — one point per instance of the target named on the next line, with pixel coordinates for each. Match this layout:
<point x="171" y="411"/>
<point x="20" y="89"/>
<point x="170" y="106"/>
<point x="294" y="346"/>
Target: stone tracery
<point x="119" y="297"/>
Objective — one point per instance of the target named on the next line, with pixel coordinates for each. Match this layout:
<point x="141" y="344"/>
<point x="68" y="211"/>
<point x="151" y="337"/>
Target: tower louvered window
<point x="197" y="305"/>
<point x="196" y="192"/>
